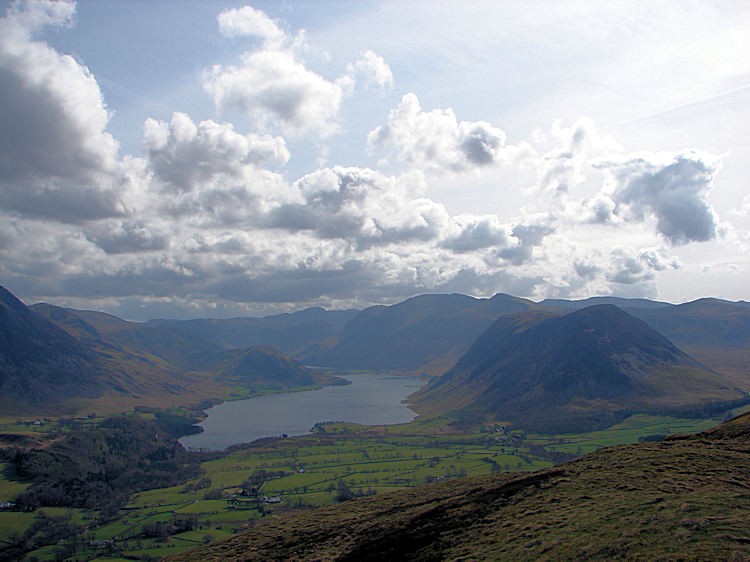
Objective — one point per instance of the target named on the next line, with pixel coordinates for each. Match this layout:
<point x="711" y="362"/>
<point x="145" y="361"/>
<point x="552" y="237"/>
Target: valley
<point x="335" y="463"/>
<point x="95" y="407"/>
<point x="378" y="280"/>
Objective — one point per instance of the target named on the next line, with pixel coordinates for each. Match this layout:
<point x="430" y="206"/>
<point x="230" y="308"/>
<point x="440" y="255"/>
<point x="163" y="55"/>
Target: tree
<point x="343" y="491"/>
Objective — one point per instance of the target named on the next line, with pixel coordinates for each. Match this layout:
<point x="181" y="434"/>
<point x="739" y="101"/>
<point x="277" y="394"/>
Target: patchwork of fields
<point x="336" y="462"/>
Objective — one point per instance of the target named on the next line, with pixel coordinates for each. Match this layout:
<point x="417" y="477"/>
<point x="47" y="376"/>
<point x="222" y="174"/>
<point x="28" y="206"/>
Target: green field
<point x="336" y="462"/>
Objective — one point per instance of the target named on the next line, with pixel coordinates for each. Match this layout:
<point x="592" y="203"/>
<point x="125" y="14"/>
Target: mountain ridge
<point x="426" y="335"/>
<point x="40" y="361"/>
<point x="553" y="372"/>
<point x="54" y="359"/>
<point x="431" y="329"/>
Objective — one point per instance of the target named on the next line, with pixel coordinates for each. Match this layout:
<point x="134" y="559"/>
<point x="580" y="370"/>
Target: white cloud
<point x="25" y="18"/>
<point x="373" y="69"/>
<point x="57" y="159"/>
<point x="247" y="21"/>
<point x="128" y="236"/>
<point x="630" y="267"/>
<point x="473" y="233"/>
<point x="672" y="189"/>
<point x="436" y="140"/>
<point x="185" y="155"/>
<point x="273" y="85"/>
<point x="361" y="206"/>
<point x="528" y="236"/>
<point x="565" y="166"/>
<point x="204" y="220"/>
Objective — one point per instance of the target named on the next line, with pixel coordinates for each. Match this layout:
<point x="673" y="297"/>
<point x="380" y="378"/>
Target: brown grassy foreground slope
<point x="686" y="497"/>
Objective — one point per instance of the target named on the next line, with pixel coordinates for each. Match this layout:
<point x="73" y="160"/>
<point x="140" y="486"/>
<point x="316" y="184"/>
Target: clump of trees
<point x="161" y="530"/>
<point x="100" y="468"/>
<point x="344" y="492"/>
<point x="44" y="531"/>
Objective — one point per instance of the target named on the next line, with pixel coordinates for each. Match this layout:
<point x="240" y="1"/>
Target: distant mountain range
<point x="289" y="333"/>
<point x="426" y="333"/>
<point x="503" y="356"/>
<point x="625" y="304"/>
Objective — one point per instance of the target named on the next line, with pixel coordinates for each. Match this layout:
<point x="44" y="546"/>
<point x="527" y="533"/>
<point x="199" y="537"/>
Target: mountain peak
<point x="40" y="361"/>
<point x="547" y="370"/>
<point x="9" y="300"/>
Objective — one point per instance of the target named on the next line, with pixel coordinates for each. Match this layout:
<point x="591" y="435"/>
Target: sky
<point x="194" y="158"/>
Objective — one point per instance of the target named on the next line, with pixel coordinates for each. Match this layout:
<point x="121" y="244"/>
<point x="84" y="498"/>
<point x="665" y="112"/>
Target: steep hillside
<point x="55" y="360"/>
<point x="171" y="345"/>
<point x="146" y="365"/>
<point x="424" y="330"/>
<point x="714" y="331"/>
<point x="576" y="371"/>
<point x="39" y="362"/>
<point x="684" y="498"/>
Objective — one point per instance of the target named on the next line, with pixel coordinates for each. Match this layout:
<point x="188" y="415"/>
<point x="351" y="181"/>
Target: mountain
<point x="573" y="372"/>
<point x="417" y="334"/>
<point x="147" y="365"/>
<point x="619" y="302"/>
<point x="714" y="331"/>
<point x="703" y="323"/>
<point x="683" y="498"/>
<point x="40" y="362"/>
<point x="50" y="355"/>
<point x="176" y="347"/>
<point x="170" y="346"/>
<point x="264" y="365"/>
<point x="288" y="333"/>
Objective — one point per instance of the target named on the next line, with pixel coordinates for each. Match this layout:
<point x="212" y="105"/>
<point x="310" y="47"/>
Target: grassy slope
<point x="685" y="497"/>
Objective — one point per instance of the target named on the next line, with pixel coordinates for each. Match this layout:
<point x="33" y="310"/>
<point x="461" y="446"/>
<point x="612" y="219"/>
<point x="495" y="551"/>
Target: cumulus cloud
<point x="673" y="192"/>
<point x="127" y="236"/>
<point x="56" y="158"/>
<point x="436" y="140"/>
<point x="476" y="232"/>
<point x="669" y="190"/>
<point x="273" y="85"/>
<point x="204" y="220"/>
<point x="373" y="70"/>
<point x="565" y="166"/>
<point x="599" y="209"/>
<point x="185" y="155"/>
<point x="629" y="267"/>
<point x="528" y="237"/>
<point x="586" y="269"/>
<point x="363" y="206"/>
<point x="247" y="21"/>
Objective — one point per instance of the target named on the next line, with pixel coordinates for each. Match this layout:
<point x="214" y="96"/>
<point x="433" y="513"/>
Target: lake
<point x="370" y="399"/>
